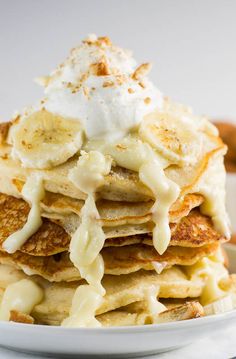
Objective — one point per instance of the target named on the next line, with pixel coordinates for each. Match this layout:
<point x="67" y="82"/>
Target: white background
<point x="191" y="43"/>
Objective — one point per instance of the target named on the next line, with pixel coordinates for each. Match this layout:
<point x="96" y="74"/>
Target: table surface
<point x="219" y="346"/>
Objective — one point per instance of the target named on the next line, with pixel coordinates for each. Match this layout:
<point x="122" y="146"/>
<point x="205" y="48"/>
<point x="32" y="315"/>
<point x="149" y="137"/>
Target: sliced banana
<point x="175" y="137"/>
<point x="43" y="140"/>
<point x="219" y="306"/>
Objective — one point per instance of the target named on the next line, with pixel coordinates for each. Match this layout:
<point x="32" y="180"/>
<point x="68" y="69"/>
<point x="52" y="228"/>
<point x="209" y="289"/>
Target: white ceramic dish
<point x="126" y="341"/>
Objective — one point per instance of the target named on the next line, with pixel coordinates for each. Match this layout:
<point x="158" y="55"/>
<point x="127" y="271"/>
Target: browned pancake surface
<point x="122" y="257"/>
<point x="192" y="231"/>
<point x="49" y="239"/>
<point x="117" y="260"/>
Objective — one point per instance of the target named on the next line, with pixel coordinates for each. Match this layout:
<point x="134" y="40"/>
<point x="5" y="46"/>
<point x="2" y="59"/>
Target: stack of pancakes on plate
<point x="177" y="275"/>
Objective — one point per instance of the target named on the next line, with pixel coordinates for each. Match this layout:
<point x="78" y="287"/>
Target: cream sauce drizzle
<point x="214" y="204"/>
<point x="159" y="266"/>
<point x="85" y="302"/>
<point x="33" y="192"/>
<point x="166" y="193"/>
<point x="154" y="307"/>
<point x="212" y="270"/>
<point x="88" y="240"/>
<point x="133" y="154"/>
<point x="22" y="296"/>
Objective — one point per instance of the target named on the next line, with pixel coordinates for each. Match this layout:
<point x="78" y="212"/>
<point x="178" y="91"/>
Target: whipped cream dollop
<point x="101" y="86"/>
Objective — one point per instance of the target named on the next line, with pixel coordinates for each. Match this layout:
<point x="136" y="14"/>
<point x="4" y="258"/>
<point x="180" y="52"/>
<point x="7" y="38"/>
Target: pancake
<point x="192" y="231"/>
<point x="122" y="260"/>
<point x="118" y="218"/>
<point x="55" y="268"/>
<point x="71" y="222"/>
<point x="121" y="291"/>
<point x="119" y="213"/>
<point x="132" y="314"/>
<point x="117" y="318"/>
<point x="111" y="213"/>
<point x="13" y="215"/>
<point x="120" y="184"/>
<point x="169" y="303"/>
<point x="187" y="310"/>
<point x="134" y="257"/>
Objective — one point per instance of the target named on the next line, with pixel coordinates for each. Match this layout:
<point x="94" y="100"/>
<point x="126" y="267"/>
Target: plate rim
<point x="134" y="329"/>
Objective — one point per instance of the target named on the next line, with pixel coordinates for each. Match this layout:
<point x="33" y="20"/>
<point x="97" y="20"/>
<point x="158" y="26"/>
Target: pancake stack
<point x="110" y="224"/>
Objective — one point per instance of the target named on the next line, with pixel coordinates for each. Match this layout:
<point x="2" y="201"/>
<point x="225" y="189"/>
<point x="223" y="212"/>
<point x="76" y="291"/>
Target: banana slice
<point x="43" y="140"/>
<point x="219" y="306"/>
<point x="175" y="137"/>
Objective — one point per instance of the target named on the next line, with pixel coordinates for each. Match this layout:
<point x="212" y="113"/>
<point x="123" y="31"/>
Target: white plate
<point x="133" y="341"/>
